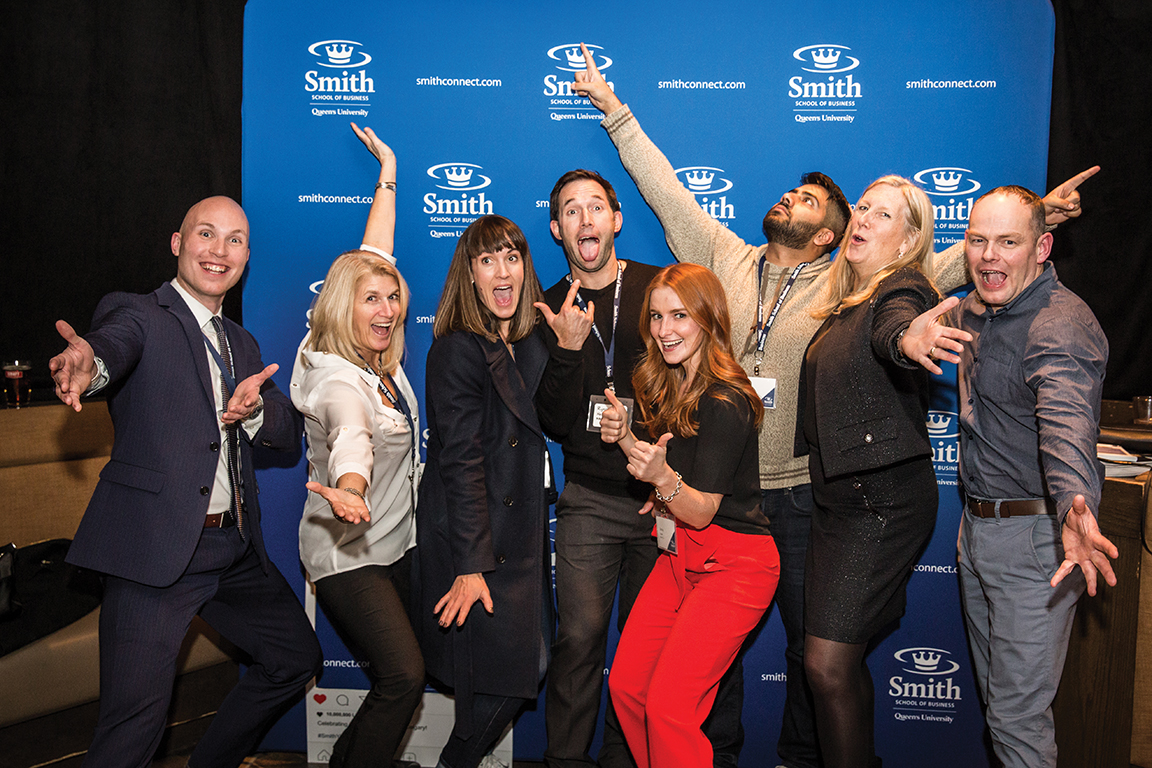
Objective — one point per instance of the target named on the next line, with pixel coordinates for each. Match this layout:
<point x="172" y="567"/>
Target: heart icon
<point x="320" y="698"/>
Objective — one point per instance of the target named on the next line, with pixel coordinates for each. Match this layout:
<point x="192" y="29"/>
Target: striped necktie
<point x="232" y="444"/>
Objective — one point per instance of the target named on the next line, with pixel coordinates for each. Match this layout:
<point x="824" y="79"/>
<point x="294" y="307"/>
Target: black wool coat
<point x="483" y="508"/>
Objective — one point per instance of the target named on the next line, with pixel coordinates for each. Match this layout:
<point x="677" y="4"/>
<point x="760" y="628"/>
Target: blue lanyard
<point x="609" y="349"/>
<point x="229" y="379"/>
<point x="762" y="325"/>
<point x="397" y="400"/>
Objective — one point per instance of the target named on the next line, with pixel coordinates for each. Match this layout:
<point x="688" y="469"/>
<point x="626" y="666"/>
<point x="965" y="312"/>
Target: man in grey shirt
<point x="1030" y="384"/>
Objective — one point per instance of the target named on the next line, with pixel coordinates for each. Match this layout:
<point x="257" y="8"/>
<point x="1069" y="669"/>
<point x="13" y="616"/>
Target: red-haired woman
<point x="718" y="571"/>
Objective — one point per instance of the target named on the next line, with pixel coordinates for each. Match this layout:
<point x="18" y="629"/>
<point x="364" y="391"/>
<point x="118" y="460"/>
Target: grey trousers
<point x="1018" y="629"/>
<point x="601" y="541"/>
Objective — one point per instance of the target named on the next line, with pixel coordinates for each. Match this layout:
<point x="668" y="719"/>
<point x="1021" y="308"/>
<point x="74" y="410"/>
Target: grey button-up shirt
<point x="1030" y="388"/>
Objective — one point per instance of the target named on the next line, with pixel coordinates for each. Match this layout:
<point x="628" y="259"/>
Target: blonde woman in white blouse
<point x="362" y="424"/>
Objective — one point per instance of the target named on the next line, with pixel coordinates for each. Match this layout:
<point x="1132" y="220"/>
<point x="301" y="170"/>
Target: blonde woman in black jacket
<point x="862" y="414"/>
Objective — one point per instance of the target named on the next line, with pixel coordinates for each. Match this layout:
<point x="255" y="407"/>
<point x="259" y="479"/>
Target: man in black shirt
<point x="600" y="537"/>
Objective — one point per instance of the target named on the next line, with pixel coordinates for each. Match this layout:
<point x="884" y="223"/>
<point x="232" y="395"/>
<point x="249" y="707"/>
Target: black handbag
<point x="47" y="593"/>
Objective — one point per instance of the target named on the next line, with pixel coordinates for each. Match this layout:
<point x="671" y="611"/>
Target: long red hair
<point x="657" y="385"/>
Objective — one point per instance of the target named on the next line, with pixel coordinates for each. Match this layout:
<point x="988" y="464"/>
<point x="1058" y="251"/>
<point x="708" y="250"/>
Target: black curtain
<point x="117" y="117"/>
<point x="1102" y="115"/>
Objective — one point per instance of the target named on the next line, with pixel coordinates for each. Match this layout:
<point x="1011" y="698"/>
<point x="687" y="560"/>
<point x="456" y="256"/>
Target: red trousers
<point x="684" y="631"/>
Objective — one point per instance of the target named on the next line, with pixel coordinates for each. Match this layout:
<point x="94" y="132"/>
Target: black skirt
<point x="868" y="531"/>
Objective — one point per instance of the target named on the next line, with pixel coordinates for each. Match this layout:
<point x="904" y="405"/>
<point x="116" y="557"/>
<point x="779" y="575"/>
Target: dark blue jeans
<point x="789" y="513"/>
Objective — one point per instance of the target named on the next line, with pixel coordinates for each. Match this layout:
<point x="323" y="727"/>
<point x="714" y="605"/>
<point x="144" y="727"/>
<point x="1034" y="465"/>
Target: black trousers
<point x="369" y="608"/>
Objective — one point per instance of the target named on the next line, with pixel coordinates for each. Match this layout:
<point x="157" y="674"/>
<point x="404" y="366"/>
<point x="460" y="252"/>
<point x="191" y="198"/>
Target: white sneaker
<point x="491" y="761"/>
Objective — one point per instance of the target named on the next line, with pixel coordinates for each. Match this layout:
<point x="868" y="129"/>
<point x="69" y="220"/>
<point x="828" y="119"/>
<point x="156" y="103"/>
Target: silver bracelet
<point x="676" y="490"/>
<point x="386" y="185"/>
<point x="899" y="339"/>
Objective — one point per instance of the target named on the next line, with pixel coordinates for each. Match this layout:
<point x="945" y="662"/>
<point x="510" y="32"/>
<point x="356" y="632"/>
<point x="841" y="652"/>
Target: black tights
<point x="843" y="696"/>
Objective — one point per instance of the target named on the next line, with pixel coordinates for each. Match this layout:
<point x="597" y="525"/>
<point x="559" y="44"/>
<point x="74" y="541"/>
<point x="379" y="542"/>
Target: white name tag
<point x="765" y="390"/>
<point x="666" y="531"/>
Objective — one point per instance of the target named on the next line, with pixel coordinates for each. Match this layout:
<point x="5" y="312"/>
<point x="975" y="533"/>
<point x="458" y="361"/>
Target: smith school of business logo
<point x="339" y="54"/>
<point x="826" y="94"/>
<point x="563" y="104"/>
<point x="944" y="436"/>
<point x="340" y="77"/>
<point x="953" y="191"/>
<point x="465" y="201"/>
<point x="569" y="58"/>
<point x="709" y="185"/>
<point x="824" y="59"/>
<point x="458" y="177"/>
<point x="924" y="688"/>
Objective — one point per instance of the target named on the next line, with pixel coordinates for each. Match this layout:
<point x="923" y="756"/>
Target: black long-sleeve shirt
<point x="572" y="377"/>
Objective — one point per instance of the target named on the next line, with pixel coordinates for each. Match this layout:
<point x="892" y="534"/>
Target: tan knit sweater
<point x="696" y="237"/>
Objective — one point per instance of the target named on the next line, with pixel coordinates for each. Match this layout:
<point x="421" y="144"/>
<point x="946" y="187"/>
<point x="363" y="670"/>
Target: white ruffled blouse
<point x="350" y="429"/>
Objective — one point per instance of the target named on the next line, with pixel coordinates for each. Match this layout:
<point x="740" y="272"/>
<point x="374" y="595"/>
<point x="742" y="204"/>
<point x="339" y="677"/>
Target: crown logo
<point x="937" y="422"/>
<point x="700" y="181"/>
<point x="825" y="58"/>
<point x="575" y="58"/>
<point x="926" y="661"/>
<point x="338" y="54"/>
<point x="946" y="182"/>
<point x="458" y="177"/>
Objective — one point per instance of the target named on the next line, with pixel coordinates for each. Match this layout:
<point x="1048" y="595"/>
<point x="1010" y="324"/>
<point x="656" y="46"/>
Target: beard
<point x="787" y="234"/>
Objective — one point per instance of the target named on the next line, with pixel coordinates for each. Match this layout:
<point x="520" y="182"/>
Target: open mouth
<point x="589" y="247"/>
<point x="993" y="279"/>
<point x="503" y="296"/>
<point x="214" y="269"/>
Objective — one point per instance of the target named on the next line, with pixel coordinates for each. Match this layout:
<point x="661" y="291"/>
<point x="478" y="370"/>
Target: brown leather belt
<point x="1012" y="508"/>
<point x="219" y="520"/>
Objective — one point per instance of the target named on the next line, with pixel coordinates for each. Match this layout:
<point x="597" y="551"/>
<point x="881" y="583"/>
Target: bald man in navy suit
<point x="174" y="523"/>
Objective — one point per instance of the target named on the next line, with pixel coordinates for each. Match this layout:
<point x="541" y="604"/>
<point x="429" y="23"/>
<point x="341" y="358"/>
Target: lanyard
<point x="397" y="400"/>
<point x="762" y="325"/>
<point x="229" y="379"/>
<point x="609" y="349"/>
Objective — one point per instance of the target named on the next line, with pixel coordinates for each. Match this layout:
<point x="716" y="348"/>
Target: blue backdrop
<point x="475" y="99"/>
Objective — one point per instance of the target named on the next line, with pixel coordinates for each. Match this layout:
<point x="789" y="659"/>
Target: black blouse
<point x="724" y="457"/>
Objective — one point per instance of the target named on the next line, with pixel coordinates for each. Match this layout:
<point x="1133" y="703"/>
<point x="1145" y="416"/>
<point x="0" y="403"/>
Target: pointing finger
<point x="589" y="61"/>
<point x="1070" y="186"/>
<point x="66" y="331"/>
<point x="570" y="299"/>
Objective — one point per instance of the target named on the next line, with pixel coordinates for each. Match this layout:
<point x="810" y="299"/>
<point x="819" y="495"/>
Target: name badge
<point x="765" y="390"/>
<point x="597" y="404"/>
<point x="666" y="531"/>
